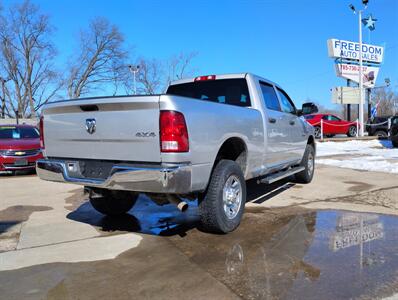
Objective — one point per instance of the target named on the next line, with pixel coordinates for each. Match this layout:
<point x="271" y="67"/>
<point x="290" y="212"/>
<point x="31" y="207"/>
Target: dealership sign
<point x="350" y="50"/>
<point x="345" y="95"/>
<point x="351" y="72"/>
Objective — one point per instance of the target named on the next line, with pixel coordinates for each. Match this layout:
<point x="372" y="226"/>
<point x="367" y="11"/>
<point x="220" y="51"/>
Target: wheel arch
<point x="233" y="148"/>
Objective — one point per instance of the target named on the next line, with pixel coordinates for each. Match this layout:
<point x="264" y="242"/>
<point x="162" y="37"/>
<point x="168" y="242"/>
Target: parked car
<point x="378" y="126"/>
<point x="394" y="131"/>
<point x="332" y="125"/>
<point x="19" y="147"/>
<point x="201" y="140"/>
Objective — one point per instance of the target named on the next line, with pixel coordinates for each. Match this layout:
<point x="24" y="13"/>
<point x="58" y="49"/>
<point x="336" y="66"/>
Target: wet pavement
<point x="332" y="239"/>
<point x="276" y="253"/>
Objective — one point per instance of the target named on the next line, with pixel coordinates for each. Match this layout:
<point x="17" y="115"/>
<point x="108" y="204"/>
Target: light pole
<point x="134" y="70"/>
<point x="361" y="102"/>
<point x="361" y="131"/>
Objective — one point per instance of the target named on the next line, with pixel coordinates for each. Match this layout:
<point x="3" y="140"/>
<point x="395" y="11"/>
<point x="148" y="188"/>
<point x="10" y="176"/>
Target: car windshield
<point x="13" y="132"/>
<point x="228" y="91"/>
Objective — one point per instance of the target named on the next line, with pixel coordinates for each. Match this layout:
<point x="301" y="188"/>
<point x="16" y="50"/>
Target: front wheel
<point x="221" y="206"/>
<point x="112" y="203"/>
<point x="308" y="162"/>
<point x="352" y="131"/>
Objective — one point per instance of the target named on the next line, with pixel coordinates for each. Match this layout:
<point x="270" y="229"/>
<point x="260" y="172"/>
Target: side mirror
<point x="299" y="112"/>
<point x="309" y="108"/>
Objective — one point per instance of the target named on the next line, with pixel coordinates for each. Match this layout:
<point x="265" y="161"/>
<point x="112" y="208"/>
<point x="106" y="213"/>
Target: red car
<point x="332" y="125"/>
<point x="19" y="147"/>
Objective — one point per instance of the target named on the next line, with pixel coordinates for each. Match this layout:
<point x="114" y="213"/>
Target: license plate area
<point x="95" y="169"/>
<point x="21" y="162"/>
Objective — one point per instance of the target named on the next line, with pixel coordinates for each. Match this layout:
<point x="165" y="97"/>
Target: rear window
<point x="228" y="91"/>
<point x="13" y="132"/>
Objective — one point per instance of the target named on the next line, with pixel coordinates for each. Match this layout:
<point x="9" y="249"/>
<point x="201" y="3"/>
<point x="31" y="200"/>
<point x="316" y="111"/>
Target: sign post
<point x="360" y="75"/>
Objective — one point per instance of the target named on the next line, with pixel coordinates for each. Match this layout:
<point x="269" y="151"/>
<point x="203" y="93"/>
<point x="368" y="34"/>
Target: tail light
<point x="173" y="132"/>
<point x="204" y="78"/>
<point x="41" y="127"/>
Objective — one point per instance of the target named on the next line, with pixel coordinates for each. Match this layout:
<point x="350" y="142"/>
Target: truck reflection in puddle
<point x="278" y="253"/>
<point x="316" y="255"/>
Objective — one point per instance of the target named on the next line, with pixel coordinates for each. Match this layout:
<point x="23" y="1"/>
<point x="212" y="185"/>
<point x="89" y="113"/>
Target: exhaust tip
<point x="182" y="206"/>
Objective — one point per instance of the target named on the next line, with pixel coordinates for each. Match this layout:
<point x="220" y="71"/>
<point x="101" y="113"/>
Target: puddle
<point x="285" y="253"/>
<point x="10" y="224"/>
<point x="358" y="186"/>
<point x="316" y="255"/>
<point x="19" y="213"/>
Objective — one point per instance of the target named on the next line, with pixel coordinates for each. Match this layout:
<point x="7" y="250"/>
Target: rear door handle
<point x="292" y="122"/>
<point x="271" y="120"/>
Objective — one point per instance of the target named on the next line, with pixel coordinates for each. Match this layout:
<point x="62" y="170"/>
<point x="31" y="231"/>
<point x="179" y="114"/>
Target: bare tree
<point x="100" y="59"/>
<point x="27" y="54"/>
<point x="179" y="66"/>
<point x="388" y="99"/>
<point x="155" y="75"/>
<point x="150" y="76"/>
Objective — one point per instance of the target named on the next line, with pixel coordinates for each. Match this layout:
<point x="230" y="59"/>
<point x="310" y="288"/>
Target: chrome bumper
<point x="155" y="179"/>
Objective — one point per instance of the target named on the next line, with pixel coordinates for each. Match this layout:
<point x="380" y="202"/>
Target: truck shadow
<point x="259" y="193"/>
<point x="165" y="220"/>
<point x="145" y="217"/>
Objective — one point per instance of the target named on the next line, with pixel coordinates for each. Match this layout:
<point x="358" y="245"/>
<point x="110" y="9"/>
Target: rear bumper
<point x="174" y="179"/>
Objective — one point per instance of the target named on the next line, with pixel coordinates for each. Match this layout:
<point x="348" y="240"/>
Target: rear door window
<point x="227" y="91"/>
<point x="269" y="95"/>
<point x="286" y="103"/>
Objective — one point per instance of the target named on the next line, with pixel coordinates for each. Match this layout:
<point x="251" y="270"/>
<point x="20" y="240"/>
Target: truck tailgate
<point x="126" y="129"/>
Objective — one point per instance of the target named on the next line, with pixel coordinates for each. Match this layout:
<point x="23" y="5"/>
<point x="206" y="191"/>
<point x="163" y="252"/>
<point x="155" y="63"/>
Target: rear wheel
<point x="112" y="203"/>
<point x="221" y="206"/>
<point x="381" y="133"/>
<point x="352" y="131"/>
<point x="308" y="162"/>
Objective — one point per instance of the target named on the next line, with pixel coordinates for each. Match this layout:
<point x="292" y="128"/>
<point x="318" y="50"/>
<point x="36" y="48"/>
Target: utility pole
<point x="361" y="98"/>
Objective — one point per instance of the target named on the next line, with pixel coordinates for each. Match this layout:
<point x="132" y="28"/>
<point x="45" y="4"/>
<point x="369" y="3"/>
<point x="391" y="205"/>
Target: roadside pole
<point x="360" y="75"/>
<point x="321" y="129"/>
<point x="348" y="105"/>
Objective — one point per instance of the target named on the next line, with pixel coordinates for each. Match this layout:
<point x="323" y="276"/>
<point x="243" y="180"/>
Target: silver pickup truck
<point x="201" y="140"/>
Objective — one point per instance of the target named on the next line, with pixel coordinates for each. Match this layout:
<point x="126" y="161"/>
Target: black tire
<point x="112" y="203"/>
<point x="308" y="162"/>
<point x="317" y="132"/>
<point x="395" y="144"/>
<point x="352" y="131"/>
<point x="381" y="133"/>
<point x="213" y="216"/>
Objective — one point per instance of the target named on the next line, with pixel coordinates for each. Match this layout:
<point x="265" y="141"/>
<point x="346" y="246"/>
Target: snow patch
<point x="374" y="155"/>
